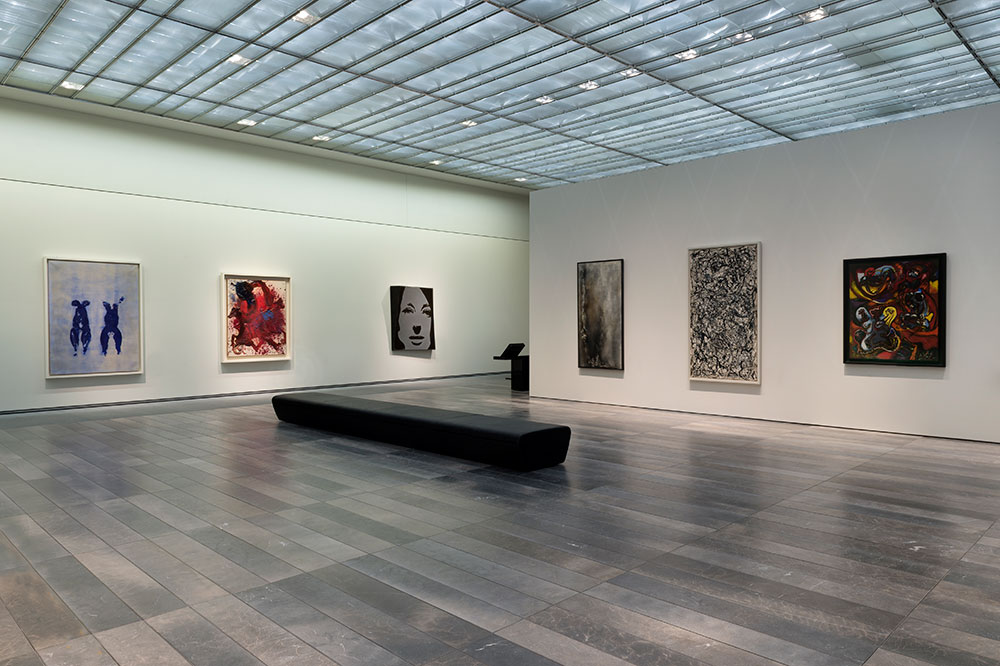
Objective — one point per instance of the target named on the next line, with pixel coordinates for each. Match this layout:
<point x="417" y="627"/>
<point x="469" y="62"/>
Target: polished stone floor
<point x="208" y="533"/>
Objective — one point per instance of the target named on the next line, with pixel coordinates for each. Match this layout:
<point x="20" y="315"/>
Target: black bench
<point x="515" y="443"/>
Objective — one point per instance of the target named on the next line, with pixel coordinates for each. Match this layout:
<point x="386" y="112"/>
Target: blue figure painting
<point x="111" y="329"/>
<point x="79" y="334"/>
<point x="71" y="288"/>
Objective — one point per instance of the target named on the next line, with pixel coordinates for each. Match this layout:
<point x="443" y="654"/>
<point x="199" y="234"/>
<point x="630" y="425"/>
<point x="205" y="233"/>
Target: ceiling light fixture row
<point x="306" y="18"/>
<point x="814" y="15"/>
<point x="747" y="36"/>
<point x="690" y="54"/>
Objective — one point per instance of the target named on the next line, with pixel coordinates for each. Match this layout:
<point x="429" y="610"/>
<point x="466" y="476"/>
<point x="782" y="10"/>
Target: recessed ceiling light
<point x="469" y="123"/>
<point x="814" y="15"/>
<point x="520" y="180"/>
<point x="321" y="137"/>
<point x="630" y="72"/>
<point x="545" y="99"/>
<point x="237" y="59"/>
<point x="305" y="17"/>
<point x="590" y="85"/>
<point x="247" y="122"/>
<point x="435" y="162"/>
<point x="69" y="85"/>
<point x="686" y="55"/>
<point x="741" y="37"/>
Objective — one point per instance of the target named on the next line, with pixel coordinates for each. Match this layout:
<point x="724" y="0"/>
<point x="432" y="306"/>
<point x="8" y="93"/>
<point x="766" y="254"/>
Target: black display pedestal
<point x="519" y="373"/>
<point x="518" y="366"/>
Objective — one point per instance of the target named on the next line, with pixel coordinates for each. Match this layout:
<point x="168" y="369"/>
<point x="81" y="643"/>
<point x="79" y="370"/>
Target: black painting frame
<point x="621" y="319"/>
<point x="850" y="267"/>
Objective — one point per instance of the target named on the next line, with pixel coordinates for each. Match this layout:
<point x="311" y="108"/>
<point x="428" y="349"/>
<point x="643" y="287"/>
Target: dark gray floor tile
<point x="419" y="614"/>
<point x="136" y="519"/>
<point x="240" y="552"/>
<point x="91" y="601"/>
<point x="129" y="583"/>
<point x="394" y="635"/>
<point x="258" y="635"/>
<point x="344" y="646"/>
<point x="613" y="641"/>
<point x="199" y="641"/>
<point x="33" y="542"/>
<point x="468" y="608"/>
<point x="137" y="643"/>
<point x="496" y="651"/>
<point x="83" y="651"/>
<point x="36" y="609"/>
<point x="13" y="642"/>
<point x="70" y="534"/>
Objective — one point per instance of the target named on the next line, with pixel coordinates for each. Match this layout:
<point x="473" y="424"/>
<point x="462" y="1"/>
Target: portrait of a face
<point x="412" y="318"/>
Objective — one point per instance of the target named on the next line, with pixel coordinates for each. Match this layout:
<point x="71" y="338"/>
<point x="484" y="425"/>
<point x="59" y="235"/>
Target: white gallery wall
<point x="189" y="208"/>
<point x="918" y="186"/>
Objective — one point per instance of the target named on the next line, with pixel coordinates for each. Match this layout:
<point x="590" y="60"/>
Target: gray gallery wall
<point x="190" y="208"/>
<point x="918" y="186"/>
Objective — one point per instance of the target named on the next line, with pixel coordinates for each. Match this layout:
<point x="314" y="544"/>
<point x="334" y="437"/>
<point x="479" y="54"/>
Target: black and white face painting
<point x="413" y="318"/>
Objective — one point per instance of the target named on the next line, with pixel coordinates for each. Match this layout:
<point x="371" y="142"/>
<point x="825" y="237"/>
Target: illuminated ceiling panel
<point x="532" y="93"/>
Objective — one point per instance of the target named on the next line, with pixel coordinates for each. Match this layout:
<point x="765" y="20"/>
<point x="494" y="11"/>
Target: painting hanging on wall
<point x="894" y="310"/>
<point x="93" y="318"/>
<point x="411" y="310"/>
<point x="257" y="318"/>
<point x="724" y="313"/>
<point x="600" y="314"/>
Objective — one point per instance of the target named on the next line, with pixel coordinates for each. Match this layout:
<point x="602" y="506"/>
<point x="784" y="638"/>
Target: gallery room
<point x="275" y="270"/>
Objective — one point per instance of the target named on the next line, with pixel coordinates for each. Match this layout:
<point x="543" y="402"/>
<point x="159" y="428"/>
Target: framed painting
<point x="412" y="316"/>
<point x="600" y="293"/>
<point x="894" y="310"/>
<point x="93" y="319"/>
<point x="724" y="313"/>
<point x="256" y="313"/>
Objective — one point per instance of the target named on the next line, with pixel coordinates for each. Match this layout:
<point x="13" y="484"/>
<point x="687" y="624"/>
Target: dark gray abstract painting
<point x="724" y="295"/>
<point x="600" y="324"/>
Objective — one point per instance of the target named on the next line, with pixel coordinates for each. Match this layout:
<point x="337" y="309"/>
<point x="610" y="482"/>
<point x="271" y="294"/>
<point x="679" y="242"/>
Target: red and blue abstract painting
<point x="257" y="318"/>
<point x="894" y="310"/>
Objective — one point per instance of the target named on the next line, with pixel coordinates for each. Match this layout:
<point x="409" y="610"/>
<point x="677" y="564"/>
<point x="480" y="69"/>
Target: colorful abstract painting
<point x="894" y="310"/>
<point x="412" y="316"/>
<point x="600" y="314"/>
<point x="93" y="319"/>
<point x="257" y="318"/>
<point x="724" y="312"/>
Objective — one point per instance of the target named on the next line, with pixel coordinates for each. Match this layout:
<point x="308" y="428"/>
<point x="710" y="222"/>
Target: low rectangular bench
<point x="508" y="442"/>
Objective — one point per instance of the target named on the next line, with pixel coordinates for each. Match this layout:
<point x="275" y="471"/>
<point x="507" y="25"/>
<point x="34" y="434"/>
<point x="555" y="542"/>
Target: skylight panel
<point x="74" y="32"/>
<point x="213" y="15"/>
<point x="166" y="42"/>
<point x="35" y="77"/>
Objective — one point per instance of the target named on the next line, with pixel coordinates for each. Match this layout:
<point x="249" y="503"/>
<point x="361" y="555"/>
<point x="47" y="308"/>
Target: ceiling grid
<point x="532" y="93"/>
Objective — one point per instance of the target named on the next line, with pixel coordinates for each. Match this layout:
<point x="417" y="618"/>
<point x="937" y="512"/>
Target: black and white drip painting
<point x="412" y="315"/>
<point x="600" y="324"/>
<point x="724" y="310"/>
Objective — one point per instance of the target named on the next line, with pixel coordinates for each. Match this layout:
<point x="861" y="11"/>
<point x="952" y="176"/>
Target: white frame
<point x="141" y="336"/>
<point x="757" y="328"/>
<point x="226" y="358"/>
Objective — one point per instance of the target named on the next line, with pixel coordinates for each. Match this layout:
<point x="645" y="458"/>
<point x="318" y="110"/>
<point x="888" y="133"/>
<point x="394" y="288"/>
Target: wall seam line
<point x="160" y="197"/>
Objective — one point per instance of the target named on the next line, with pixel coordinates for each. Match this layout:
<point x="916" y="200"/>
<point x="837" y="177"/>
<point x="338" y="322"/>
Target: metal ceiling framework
<point x="532" y="93"/>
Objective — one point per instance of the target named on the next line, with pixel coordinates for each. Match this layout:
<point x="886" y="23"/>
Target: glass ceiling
<point x="532" y="93"/>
